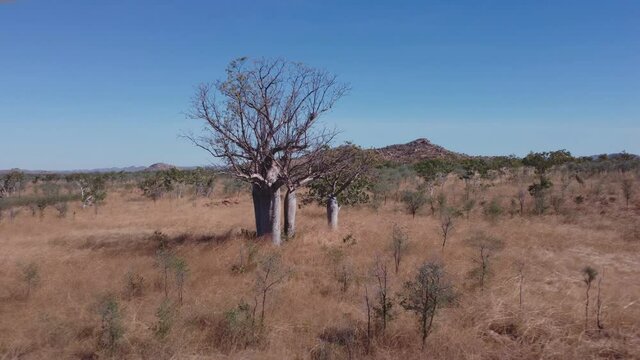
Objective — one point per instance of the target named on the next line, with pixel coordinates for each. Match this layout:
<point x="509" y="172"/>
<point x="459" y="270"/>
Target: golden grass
<point x="84" y="256"/>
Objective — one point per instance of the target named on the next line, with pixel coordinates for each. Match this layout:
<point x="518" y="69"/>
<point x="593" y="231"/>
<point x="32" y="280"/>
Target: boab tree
<point x="342" y="179"/>
<point x="259" y="120"/>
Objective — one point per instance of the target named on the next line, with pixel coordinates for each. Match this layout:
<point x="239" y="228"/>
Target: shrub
<point x="164" y="319"/>
<point x="344" y="274"/>
<point x="425" y="294"/>
<point x="236" y="329"/>
<point x="493" y="210"/>
<point x="413" y="201"/>
<point x="468" y="205"/>
<point x="484" y="246"/>
<point x="246" y="258"/>
<point x="134" y="285"/>
<point x="62" y="208"/>
<point x="111" y="330"/>
<point x="181" y="271"/>
<point x="539" y="191"/>
<point x="30" y="276"/>
<point x="164" y="261"/>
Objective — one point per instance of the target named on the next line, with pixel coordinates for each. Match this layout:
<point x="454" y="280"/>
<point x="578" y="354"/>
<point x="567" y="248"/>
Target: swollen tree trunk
<point x="260" y="209"/>
<point x="332" y="212"/>
<point x="290" y="207"/>
<point x="266" y="206"/>
<point x="274" y="217"/>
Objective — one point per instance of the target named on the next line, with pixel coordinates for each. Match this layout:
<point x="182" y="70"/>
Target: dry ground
<point x="84" y="256"/>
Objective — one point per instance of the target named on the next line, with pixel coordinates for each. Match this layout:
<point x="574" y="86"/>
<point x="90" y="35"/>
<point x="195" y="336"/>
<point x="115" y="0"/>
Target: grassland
<point x="84" y="256"/>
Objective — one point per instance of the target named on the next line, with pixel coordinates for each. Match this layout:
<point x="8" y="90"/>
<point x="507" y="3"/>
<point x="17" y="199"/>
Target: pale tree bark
<point x="290" y="209"/>
<point x="332" y="212"/>
<point x="261" y="120"/>
<point x="274" y="218"/>
<point x="345" y="175"/>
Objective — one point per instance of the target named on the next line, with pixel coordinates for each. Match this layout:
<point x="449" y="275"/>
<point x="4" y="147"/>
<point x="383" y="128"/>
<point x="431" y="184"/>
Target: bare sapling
<point x="599" y="303"/>
<point x="399" y="244"/>
<point x="446" y="224"/>
<point x="271" y="273"/>
<point x="382" y="308"/>
<point x="589" y="274"/>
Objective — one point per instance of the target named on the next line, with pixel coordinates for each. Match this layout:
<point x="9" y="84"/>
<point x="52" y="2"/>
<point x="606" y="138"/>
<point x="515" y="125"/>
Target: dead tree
<point x="261" y="118"/>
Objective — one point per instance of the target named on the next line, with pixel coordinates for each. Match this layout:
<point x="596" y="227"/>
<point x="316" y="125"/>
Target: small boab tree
<point x="342" y="180"/>
<point x="259" y="120"/>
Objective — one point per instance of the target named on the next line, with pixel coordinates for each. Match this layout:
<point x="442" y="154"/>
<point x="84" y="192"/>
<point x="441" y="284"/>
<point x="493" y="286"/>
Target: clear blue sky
<point x="86" y="84"/>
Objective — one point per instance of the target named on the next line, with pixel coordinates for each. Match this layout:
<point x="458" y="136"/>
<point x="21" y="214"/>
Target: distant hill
<point x="415" y="151"/>
<point x="409" y="153"/>
<point x="160" y="167"/>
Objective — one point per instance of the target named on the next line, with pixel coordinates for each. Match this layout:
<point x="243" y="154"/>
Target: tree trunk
<point x="290" y="207"/>
<point x="274" y="217"/>
<point x="266" y="206"/>
<point x="256" y="194"/>
<point x="332" y="212"/>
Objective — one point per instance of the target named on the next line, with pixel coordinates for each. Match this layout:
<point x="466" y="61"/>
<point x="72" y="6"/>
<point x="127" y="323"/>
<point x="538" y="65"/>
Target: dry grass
<point x="85" y="256"/>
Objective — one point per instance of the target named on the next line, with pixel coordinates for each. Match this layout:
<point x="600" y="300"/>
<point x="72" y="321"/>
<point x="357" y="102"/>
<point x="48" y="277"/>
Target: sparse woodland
<point x="454" y="257"/>
<point x="81" y="284"/>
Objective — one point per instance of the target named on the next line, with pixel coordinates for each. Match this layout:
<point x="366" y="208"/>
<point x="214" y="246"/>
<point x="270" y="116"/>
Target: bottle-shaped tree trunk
<point x="274" y="217"/>
<point x="290" y="208"/>
<point x="332" y="212"/>
<point x="266" y="204"/>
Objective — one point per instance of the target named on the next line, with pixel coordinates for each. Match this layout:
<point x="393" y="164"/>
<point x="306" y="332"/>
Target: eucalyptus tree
<point x="259" y="120"/>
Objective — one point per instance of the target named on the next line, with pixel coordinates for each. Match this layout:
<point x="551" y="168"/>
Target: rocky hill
<point x="160" y="167"/>
<point x="415" y="151"/>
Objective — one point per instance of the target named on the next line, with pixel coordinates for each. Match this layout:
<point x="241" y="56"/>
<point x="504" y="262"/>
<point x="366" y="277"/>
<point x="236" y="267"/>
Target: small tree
<point x="493" y="210"/>
<point x="519" y="265"/>
<point x="539" y="191"/>
<point x="343" y="179"/>
<point x="446" y="224"/>
<point x="30" y="276"/>
<point x="383" y="303"/>
<point x="542" y="162"/>
<point x="627" y="190"/>
<point x="164" y="319"/>
<point x="484" y="246"/>
<point x="425" y="294"/>
<point x="181" y="270"/>
<point x="599" y="303"/>
<point x="164" y="261"/>
<point x="270" y="274"/>
<point x="399" y="244"/>
<point x="468" y="205"/>
<point x="156" y="185"/>
<point x="588" y="275"/>
<point x="11" y="183"/>
<point x="413" y="201"/>
<point x="521" y="195"/>
<point x="111" y="330"/>
<point x="367" y="303"/>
